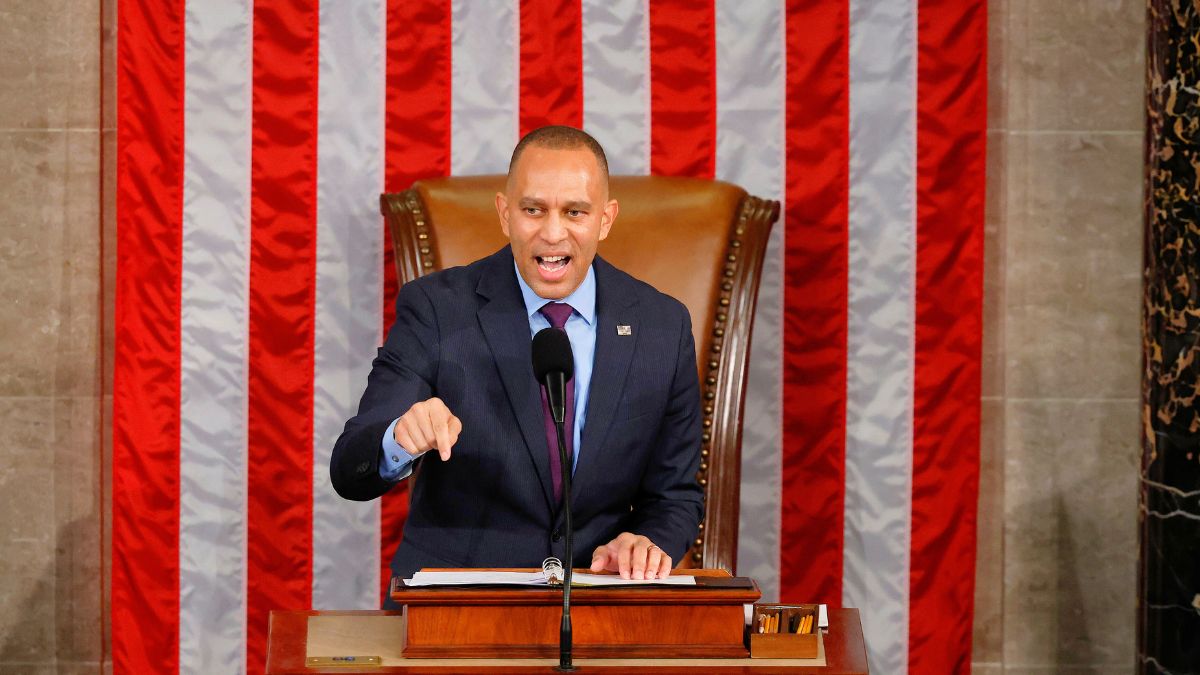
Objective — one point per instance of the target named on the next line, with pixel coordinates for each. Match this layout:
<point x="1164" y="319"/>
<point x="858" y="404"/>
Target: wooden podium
<point x="298" y="634"/>
<point x="513" y="630"/>
<point x="701" y="621"/>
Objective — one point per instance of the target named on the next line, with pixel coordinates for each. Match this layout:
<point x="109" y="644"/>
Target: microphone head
<point x="552" y="354"/>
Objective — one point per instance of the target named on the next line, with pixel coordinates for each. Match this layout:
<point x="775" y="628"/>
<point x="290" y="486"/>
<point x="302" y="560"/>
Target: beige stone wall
<point x="1057" y="513"/>
<point x="1057" y="509"/>
<point x="52" y="380"/>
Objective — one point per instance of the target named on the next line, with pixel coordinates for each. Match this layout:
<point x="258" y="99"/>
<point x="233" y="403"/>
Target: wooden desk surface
<point x="381" y="633"/>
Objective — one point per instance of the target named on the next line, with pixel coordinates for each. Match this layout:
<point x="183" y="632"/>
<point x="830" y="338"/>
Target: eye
<point x="531" y="210"/>
<point x="575" y="213"/>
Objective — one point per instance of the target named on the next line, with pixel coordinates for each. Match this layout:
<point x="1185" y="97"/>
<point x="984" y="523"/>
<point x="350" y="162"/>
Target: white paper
<point x="484" y="578"/>
<point x="615" y="580"/>
<point x="476" y="578"/>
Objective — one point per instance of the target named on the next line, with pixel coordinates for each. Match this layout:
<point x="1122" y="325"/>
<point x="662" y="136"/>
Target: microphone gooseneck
<point x="564" y="631"/>
<point x="553" y="365"/>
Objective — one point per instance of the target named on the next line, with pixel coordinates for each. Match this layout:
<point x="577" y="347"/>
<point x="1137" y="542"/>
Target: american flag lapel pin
<point x="624" y="330"/>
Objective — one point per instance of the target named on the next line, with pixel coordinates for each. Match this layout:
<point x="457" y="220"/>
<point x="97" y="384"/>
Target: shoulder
<point x="458" y="283"/>
<point x="628" y="289"/>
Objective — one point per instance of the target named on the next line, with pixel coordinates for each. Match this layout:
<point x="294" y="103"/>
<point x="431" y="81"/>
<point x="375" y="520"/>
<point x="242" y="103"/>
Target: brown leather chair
<point x="697" y="240"/>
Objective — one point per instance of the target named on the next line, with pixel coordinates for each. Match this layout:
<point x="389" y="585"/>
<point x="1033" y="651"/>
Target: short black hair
<point x="559" y="137"/>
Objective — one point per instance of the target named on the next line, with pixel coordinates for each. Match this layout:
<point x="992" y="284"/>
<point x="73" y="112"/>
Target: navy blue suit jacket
<point x="462" y="335"/>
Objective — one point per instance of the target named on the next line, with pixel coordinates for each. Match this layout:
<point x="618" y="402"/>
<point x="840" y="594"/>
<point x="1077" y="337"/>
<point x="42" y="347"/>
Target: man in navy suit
<point x="454" y="376"/>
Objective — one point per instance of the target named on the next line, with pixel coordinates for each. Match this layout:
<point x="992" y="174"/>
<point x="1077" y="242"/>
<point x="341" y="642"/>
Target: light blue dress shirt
<point x="396" y="464"/>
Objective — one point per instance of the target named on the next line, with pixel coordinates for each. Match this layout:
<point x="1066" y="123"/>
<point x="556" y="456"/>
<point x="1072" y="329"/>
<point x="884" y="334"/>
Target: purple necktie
<point x="558" y="313"/>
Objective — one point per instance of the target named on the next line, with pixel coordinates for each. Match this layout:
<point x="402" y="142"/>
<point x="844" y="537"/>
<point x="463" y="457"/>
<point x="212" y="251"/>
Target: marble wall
<point x="52" y="379"/>
<point x="1169" y="495"/>
<point x="1057" y="549"/>
<point x="1058" y="527"/>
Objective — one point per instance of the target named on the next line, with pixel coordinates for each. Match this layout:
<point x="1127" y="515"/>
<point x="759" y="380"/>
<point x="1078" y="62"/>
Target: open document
<point x="539" y="578"/>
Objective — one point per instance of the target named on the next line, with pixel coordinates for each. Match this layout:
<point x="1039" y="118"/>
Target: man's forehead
<point x="537" y="200"/>
<point x="536" y="158"/>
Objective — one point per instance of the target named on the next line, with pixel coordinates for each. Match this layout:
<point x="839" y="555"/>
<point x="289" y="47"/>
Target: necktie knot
<point x="557" y="313"/>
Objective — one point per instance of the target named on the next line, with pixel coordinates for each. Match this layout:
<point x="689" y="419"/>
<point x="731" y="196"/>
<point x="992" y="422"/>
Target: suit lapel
<point x="506" y="328"/>
<point x="616" y="305"/>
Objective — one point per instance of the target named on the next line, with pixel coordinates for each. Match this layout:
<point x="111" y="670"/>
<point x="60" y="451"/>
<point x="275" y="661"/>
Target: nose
<point x="553" y="230"/>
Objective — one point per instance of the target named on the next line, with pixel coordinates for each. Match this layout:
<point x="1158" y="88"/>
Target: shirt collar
<point x="582" y="300"/>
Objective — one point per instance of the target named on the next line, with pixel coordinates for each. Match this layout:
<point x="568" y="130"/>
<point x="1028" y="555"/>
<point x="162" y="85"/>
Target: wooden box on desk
<point x="706" y="620"/>
<point x="784" y="645"/>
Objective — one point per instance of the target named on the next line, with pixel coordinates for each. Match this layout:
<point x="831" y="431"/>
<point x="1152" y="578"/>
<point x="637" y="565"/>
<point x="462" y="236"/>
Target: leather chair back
<point x="699" y="241"/>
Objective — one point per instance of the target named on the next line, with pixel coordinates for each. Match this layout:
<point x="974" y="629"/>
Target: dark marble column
<point x="1169" y="495"/>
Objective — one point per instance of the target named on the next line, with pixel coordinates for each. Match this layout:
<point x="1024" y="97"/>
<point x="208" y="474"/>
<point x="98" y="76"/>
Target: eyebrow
<point x="581" y="205"/>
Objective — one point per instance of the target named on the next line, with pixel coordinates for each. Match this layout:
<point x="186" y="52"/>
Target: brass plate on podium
<point x="342" y="661"/>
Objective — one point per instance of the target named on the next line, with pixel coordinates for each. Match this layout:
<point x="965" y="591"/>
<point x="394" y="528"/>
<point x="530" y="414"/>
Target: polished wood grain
<point x="380" y="633"/>
<point x="632" y="622"/>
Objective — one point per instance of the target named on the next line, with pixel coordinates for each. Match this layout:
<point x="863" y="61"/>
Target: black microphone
<point x="553" y="365"/>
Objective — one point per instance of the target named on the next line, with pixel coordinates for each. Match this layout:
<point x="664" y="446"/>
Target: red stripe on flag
<point x="951" y="140"/>
<point x="683" y="88"/>
<point x="551" y="63"/>
<point x="815" y="301"/>
<point x="417" y="136"/>
<point x="283" y="176"/>
<point x="146" y="368"/>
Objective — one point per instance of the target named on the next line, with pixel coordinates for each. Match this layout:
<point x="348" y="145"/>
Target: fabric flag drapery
<point x="254" y="280"/>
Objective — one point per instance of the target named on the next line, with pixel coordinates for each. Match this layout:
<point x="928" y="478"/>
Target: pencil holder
<point x="787" y="632"/>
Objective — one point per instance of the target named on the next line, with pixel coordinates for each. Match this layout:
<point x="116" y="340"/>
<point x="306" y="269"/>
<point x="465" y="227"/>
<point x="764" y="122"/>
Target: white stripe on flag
<point x="750" y="152"/>
<point x="880" y="348"/>
<point x="214" y="311"/>
<point x="616" y="82"/>
<point x="483" y="91"/>
<point x="348" y="287"/>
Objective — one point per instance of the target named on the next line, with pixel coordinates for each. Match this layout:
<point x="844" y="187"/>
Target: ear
<point x="502" y="211"/>
<point x="607" y="216"/>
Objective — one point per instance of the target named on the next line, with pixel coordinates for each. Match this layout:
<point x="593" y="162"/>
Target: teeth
<point x="553" y="263"/>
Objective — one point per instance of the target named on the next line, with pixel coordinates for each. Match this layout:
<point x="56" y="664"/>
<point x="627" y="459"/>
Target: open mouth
<point x="553" y="264"/>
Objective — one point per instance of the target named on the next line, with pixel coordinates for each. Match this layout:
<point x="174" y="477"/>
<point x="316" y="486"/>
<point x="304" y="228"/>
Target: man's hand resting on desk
<point x="633" y="556"/>
<point x="428" y="425"/>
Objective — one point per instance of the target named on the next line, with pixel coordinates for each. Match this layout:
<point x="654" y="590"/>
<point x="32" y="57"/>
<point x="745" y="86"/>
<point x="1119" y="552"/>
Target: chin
<point x="555" y="292"/>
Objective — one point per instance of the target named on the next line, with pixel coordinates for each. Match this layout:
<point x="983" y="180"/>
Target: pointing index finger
<point x="443" y="422"/>
<point x="441" y="430"/>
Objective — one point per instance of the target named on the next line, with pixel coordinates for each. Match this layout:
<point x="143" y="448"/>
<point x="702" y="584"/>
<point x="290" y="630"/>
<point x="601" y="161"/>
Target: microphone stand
<point x="564" y="635"/>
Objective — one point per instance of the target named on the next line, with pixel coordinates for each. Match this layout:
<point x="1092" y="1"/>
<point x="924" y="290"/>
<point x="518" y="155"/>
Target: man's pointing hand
<point x="428" y="425"/>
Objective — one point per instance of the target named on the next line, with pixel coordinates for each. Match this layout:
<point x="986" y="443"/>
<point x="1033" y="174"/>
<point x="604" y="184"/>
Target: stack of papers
<point x="483" y="578"/>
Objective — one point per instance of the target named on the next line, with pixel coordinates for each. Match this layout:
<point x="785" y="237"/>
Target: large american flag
<point x="254" y="281"/>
